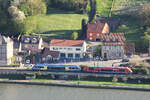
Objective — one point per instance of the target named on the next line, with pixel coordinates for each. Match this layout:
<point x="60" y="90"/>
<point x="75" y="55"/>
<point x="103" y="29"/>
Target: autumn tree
<point x="74" y="35"/>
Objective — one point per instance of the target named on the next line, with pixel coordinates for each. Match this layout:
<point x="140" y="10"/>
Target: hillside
<point x="126" y="6"/>
<point x="103" y="7"/>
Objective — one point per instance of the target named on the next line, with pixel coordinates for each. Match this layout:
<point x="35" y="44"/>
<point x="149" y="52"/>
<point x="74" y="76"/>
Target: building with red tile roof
<point x="57" y="42"/>
<point x="112" y="45"/>
<point x="71" y="49"/>
<point x="49" y="56"/>
<point x="95" y="29"/>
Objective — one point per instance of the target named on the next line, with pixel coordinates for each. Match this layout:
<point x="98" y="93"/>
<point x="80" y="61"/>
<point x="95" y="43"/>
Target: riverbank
<point x="78" y="84"/>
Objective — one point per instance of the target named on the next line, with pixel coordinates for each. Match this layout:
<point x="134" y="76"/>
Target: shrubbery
<point x="140" y="70"/>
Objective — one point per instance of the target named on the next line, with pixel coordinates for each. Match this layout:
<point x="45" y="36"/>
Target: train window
<point x="108" y="70"/>
<point x="39" y="66"/>
<point x="57" y="68"/>
<point x="91" y="68"/>
<point x="72" y="67"/>
<point x="121" y="70"/>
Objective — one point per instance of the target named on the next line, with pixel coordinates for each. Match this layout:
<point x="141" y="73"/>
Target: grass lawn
<point x="113" y="83"/>
<point x="59" y="23"/>
<point x="101" y="83"/>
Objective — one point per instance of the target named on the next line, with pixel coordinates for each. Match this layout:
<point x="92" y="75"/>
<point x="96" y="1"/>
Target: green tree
<point x="84" y="28"/>
<point x="25" y="27"/>
<point x="74" y="35"/>
<point x="97" y="51"/>
<point x="144" y="14"/>
<point x="33" y="7"/>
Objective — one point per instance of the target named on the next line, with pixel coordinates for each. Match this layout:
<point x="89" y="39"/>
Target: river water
<point x="36" y="92"/>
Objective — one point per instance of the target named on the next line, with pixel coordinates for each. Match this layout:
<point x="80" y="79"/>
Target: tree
<point x="25" y="27"/>
<point x="16" y="14"/>
<point x="84" y="28"/>
<point x="33" y="7"/>
<point x="97" y="51"/>
<point x="144" y="14"/>
<point x="74" y="35"/>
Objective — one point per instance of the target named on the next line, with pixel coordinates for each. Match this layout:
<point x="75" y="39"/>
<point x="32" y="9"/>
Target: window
<point x="33" y="46"/>
<point x="69" y="48"/>
<point x="34" y="40"/>
<point x="91" y="68"/>
<point x="70" y="55"/>
<point x="27" y="40"/>
<point x="77" y="55"/>
<point x="78" y="49"/>
<point x="62" y="55"/>
<point x="121" y="70"/>
<point x="55" y="48"/>
<point x="91" y="34"/>
<point x="108" y="70"/>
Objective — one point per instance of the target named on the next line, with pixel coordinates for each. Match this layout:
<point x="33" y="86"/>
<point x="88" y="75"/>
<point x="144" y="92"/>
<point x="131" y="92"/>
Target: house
<point x="95" y="29"/>
<point x="49" y="56"/>
<point x="69" y="49"/>
<point x="6" y="50"/>
<point x="112" y="50"/>
<point x="31" y="44"/>
<point x="112" y="45"/>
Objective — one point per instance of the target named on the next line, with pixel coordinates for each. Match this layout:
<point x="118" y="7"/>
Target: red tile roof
<point x="112" y="37"/>
<point x="95" y="27"/>
<point x="57" y="42"/>
<point x="54" y="54"/>
<point x="111" y="43"/>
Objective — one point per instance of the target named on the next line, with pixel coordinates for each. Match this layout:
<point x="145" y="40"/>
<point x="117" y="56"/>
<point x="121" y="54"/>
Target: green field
<point x="126" y="6"/>
<point x="103" y="7"/>
<point x="59" y="23"/>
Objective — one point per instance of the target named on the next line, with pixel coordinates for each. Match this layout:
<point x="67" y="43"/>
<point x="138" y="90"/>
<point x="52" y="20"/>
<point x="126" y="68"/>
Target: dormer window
<point x="34" y="40"/>
<point x="27" y="40"/>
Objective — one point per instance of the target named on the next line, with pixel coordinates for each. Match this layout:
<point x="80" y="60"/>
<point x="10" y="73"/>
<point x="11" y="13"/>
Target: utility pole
<point x="149" y="48"/>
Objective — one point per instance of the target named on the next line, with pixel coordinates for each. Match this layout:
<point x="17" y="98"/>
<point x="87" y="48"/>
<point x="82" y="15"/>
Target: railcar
<point x="122" y="70"/>
<point x="55" y="67"/>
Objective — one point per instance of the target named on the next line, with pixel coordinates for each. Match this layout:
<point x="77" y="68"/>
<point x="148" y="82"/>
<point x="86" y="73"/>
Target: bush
<point x="74" y="35"/>
<point x="114" y="79"/>
<point x="140" y="70"/>
<point x="82" y="66"/>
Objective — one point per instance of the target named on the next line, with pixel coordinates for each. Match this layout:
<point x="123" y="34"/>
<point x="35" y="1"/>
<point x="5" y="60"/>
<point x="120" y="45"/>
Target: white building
<point x="72" y="49"/>
<point x="113" y="45"/>
<point x="6" y="50"/>
<point x="112" y="50"/>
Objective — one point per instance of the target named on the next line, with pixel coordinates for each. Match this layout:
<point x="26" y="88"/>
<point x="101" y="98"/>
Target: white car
<point x="28" y="61"/>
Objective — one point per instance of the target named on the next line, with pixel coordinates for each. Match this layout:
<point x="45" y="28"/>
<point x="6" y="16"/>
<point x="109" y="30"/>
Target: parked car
<point x="28" y="61"/>
<point x="125" y="60"/>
